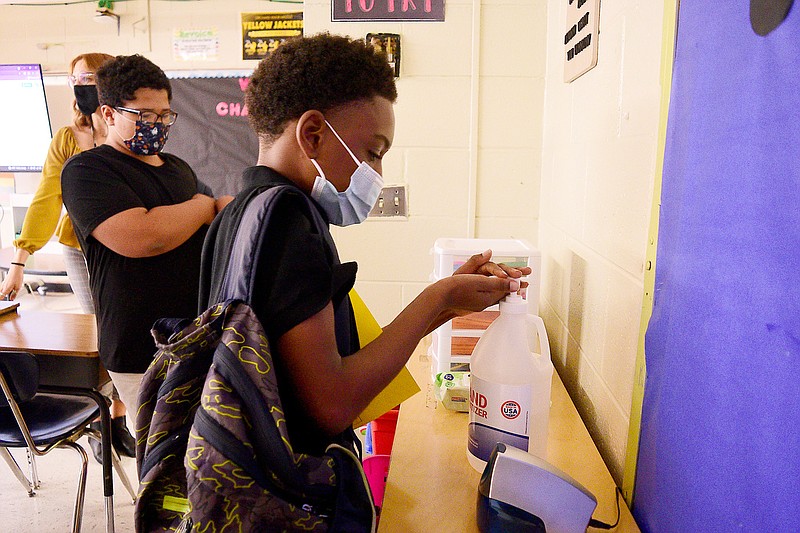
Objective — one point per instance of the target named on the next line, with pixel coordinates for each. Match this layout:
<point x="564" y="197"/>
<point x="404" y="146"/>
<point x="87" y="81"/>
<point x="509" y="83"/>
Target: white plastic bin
<point x="449" y="254"/>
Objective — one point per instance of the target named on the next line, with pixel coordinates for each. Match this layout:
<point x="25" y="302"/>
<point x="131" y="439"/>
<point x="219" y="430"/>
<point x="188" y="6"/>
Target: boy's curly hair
<point x="319" y="72"/>
<point x="119" y="78"/>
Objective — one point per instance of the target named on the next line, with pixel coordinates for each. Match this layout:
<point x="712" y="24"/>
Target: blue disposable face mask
<point x="354" y="204"/>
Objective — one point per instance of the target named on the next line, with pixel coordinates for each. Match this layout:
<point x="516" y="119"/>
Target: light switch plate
<point x="392" y="202"/>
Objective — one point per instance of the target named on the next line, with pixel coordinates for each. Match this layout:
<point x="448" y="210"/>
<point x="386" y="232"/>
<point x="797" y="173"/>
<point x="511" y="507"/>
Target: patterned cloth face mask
<point x="148" y="138"/>
<point x="354" y="204"/>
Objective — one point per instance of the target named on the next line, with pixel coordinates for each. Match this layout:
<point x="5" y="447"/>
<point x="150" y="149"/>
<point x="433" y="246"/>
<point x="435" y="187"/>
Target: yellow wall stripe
<point x="669" y="33"/>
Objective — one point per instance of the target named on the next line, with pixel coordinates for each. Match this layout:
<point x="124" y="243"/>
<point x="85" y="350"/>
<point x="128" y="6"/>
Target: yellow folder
<point x="402" y="386"/>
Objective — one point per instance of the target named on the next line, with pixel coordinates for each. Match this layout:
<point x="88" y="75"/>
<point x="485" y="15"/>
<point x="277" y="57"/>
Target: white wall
<point x="599" y="161"/>
<point x="490" y="144"/>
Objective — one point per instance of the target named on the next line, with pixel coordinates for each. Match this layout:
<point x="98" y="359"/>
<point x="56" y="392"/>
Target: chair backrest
<point x="20" y="371"/>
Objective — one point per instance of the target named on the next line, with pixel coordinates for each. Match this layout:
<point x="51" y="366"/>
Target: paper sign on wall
<point x="387" y="10"/>
<point x="389" y="43"/>
<point x="195" y="45"/>
<point x="580" y="38"/>
<point x="262" y="33"/>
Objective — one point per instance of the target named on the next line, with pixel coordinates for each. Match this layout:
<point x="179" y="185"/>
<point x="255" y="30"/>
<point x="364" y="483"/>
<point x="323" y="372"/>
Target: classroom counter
<point x="432" y="487"/>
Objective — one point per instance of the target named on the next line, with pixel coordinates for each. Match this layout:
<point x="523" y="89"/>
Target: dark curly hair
<point x="119" y="78"/>
<point x="319" y="72"/>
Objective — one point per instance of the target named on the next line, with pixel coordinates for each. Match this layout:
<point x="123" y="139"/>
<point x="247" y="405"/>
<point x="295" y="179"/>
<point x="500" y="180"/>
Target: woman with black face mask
<point x="43" y="217"/>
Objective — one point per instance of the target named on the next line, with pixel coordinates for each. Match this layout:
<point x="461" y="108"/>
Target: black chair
<point x="42" y="422"/>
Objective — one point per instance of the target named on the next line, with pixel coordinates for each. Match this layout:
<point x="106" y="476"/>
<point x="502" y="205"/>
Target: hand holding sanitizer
<point x="510" y="380"/>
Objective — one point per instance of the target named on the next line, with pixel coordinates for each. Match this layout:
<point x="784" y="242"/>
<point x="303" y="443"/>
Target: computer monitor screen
<point x="25" y="133"/>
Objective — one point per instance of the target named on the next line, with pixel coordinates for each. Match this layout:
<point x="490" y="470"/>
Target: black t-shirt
<point x="298" y="275"/>
<point x="130" y="294"/>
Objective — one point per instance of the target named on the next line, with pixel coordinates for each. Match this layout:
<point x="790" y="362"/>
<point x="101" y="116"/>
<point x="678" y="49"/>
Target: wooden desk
<point x="66" y="347"/>
<point x="432" y="487"/>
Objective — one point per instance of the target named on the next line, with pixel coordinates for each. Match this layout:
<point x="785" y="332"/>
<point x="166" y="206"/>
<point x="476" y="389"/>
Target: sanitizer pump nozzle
<point x="514" y="303"/>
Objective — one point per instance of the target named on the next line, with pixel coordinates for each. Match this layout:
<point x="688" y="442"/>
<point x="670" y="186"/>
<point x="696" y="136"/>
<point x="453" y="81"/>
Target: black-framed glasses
<point x="167" y="118"/>
<point x="84" y="78"/>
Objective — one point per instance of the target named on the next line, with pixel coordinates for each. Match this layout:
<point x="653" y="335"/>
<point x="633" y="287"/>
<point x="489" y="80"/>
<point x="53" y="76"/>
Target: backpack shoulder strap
<point x="251" y="236"/>
<point x="217" y="246"/>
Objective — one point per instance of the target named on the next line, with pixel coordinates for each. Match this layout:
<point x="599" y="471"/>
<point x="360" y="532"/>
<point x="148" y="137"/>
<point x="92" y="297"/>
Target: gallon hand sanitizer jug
<point x="510" y="379"/>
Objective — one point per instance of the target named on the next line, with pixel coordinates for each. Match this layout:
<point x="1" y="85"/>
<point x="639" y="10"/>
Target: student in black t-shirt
<point x="140" y="216"/>
<point x="322" y="107"/>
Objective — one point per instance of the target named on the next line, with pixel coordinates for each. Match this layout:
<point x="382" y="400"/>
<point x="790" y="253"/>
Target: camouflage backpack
<point x="213" y="450"/>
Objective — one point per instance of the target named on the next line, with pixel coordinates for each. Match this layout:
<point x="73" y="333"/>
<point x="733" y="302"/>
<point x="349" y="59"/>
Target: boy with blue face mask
<point x="354" y="204"/>
<point x="322" y="107"/>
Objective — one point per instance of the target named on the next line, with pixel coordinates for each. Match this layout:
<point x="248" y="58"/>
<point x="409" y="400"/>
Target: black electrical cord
<point x="602" y="525"/>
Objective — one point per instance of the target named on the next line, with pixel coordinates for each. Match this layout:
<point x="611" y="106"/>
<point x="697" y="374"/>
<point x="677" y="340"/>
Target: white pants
<point x="127" y="386"/>
<point x="78" y="274"/>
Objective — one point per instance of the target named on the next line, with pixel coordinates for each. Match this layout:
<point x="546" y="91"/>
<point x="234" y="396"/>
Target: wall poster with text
<point x="195" y="44"/>
<point x="263" y="33"/>
<point x="387" y="10"/>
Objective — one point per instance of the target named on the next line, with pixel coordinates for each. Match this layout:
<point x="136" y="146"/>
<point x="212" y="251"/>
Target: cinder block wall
<point x="599" y="159"/>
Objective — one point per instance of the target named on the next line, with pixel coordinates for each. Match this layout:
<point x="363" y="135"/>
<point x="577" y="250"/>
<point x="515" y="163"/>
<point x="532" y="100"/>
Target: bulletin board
<point x="719" y="442"/>
<point x="213" y="133"/>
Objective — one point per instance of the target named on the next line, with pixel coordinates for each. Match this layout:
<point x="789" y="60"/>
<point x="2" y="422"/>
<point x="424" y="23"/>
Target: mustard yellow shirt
<point x="42" y="217"/>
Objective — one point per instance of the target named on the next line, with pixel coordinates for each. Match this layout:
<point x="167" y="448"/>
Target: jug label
<point x="498" y="413"/>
